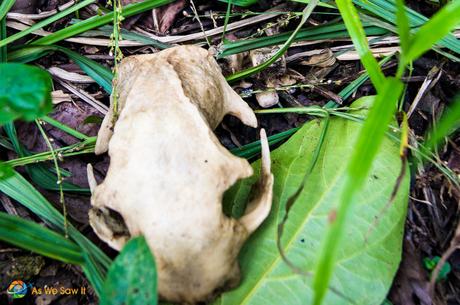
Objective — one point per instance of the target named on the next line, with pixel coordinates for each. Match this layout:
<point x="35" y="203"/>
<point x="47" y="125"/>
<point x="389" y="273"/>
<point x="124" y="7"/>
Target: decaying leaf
<point x="168" y="172"/>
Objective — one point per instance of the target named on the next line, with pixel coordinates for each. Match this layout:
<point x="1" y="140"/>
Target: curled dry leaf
<point x="168" y="172"/>
<point x="323" y="59"/>
<point x="59" y="96"/>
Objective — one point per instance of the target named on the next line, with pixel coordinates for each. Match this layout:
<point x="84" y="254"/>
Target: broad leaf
<point x="25" y="92"/>
<point x="132" y="278"/>
<point x="369" y="257"/>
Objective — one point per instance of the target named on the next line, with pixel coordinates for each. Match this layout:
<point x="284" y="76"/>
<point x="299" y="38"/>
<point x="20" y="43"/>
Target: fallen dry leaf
<point x="167" y="14"/>
<point x="168" y="172"/>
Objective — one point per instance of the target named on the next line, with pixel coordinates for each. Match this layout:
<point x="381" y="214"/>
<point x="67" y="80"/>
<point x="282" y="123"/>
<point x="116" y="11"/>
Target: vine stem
<point x="116" y="51"/>
<point x="58" y="173"/>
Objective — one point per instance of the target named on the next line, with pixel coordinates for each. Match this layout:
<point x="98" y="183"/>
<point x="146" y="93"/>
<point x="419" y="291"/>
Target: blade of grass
<point x="251" y="150"/>
<point x="449" y="122"/>
<point x="99" y="73"/>
<point x="434" y="30"/>
<point x="39" y="173"/>
<point x="367" y="146"/>
<point x="86" y="146"/>
<point x="45" y="22"/>
<point x="97" y="21"/>
<point x="386" y="9"/>
<point x="34" y="237"/>
<point x="19" y="189"/>
<point x="65" y="128"/>
<point x="305" y="14"/>
<point x="107" y="30"/>
<point x="403" y="26"/>
<point x="3" y="50"/>
<point x="326" y="31"/>
<point x="5" y="7"/>
<point x="358" y="36"/>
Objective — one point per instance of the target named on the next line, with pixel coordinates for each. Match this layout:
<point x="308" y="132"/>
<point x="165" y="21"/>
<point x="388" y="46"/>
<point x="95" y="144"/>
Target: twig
<point x="59" y="176"/>
<point x="454" y="245"/>
<point x="201" y="24"/>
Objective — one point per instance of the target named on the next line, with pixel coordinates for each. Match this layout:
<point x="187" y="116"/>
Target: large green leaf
<point x="132" y="278"/>
<point x="369" y="257"/>
<point x="25" y="92"/>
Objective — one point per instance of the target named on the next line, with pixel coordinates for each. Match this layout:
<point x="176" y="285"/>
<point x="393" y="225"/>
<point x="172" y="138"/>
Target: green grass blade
<point x="34" y="237"/>
<point x="67" y="129"/>
<point x="434" y="30"/>
<point x="253" y="70"/>
<point x="449" y="122"/>
<point x="386" y="9"/>
<point x="99" y="73"/>
<point x="367" y="145"/>
<point x="403" y="26"/>
<point x="23" y="192"/>
<point x="3" y="34"/>
<point x="40" y="174"/>
<point x="358" y="36"/>
<point x="45" y="22"/>
<point x="97" y="21"/>
<point x="107" y="30"/>
<point x="242" y="3"/>
<point x="5" y="7"/>
<point x="96" y="71"/>
<point x="326" y="31"/>
<point x="251" y="150"/>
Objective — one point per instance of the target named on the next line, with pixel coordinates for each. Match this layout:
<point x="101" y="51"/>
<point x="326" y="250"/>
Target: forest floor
<point x="316" y="74"/>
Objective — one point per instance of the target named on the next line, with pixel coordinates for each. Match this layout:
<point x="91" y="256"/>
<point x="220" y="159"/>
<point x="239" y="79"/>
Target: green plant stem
<point x="227" y="18"/>
<point x="59" y="176"/>
<point x="367" y="145"/>
<point x="65" y="128"/>
<point x="86" y="146"/>
<point x="3" y="50"/>
<point x="117" y="54"/>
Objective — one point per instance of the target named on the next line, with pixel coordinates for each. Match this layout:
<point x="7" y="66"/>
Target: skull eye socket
<point x="109" y="226"/>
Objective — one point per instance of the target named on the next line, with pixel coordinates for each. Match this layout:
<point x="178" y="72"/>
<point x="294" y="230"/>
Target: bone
<point x="168" y="172"/>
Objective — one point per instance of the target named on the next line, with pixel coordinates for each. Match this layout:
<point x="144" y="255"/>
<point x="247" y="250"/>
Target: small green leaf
<point x="25" y="92"/>
<point x="132" y="278"/>
<point x="5" y="170"/>
<point x="93" y="119"/>
<point x="430" y="264"/>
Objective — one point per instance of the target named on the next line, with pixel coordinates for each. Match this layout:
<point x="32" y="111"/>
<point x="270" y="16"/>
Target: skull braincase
<point x="168" y="171"/>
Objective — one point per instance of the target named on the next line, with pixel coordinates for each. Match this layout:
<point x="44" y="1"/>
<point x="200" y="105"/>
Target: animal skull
<point x="168" y="172"/>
